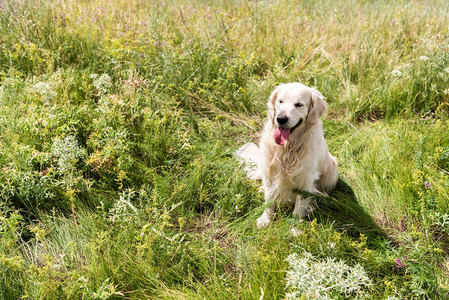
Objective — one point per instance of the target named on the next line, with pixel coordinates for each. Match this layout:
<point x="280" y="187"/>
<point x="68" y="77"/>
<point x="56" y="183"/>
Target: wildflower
<point x="427" y="184"/>
<point x="396" y="73"/>
<point x="102" y="83"/>
<point x="123" y="209"/>
<point x="296" y="232"/>
<point x="240" y="140"/>
<point x="399" y="263"/>
<point x="44" y="89"/>
<point x="393" y="21"/>
<point x="446" y="91"/>
<point x="285" y="43"/>
<point x="394" y="297"/>
<point x="327" y="278"/>
<point x="423" y="58"/>
<point x="237" y="208"/>
<point x="68" y="151"/>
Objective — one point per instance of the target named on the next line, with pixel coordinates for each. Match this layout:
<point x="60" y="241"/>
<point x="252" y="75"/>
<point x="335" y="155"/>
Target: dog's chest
<point x="293" y="171"/>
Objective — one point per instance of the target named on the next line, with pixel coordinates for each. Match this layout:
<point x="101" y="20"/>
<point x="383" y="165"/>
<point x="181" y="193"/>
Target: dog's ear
<point x="270" y="104"/>
<point x="317" y="107"/>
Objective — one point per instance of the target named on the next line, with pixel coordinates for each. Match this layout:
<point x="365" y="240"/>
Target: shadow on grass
<point x="342" y="209"/>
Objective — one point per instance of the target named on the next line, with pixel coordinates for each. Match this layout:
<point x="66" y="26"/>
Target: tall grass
<point x="118" y="123"/>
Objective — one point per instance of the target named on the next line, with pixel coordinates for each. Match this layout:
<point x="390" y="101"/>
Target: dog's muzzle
<point x="296" y="126"/>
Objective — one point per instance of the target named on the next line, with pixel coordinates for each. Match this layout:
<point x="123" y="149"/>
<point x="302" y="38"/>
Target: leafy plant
<point x="329" y="278"/>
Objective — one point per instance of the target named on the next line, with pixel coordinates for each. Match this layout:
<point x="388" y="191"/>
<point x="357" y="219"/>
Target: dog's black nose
<point x="282" y="120"/>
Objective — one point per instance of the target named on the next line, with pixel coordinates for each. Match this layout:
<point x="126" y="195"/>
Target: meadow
<point x="118" y="124"/>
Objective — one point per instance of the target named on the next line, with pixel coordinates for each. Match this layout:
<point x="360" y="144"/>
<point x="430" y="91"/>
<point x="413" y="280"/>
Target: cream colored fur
<point x="303" y="162"/>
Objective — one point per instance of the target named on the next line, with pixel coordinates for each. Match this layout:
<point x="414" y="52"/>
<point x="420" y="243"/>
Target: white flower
<point x="396" y="73"/>
<point x="68" y="151"/>
<point x="123" y="209"/>
<point x="296" y="232"/>
<point x="327" y="278"/>
<point x="393" y="298"/>
<point x="43" y="89"/>
<point x="446" y="91"/>
<point x="423" y="58"/>
<point x="102" y="83"/>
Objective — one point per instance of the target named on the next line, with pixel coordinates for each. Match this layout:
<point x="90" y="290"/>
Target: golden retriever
<point x="292" y="153"/>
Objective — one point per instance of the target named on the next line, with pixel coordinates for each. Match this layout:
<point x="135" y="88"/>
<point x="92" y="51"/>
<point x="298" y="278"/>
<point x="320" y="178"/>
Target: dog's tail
<point x="251" y="156"/>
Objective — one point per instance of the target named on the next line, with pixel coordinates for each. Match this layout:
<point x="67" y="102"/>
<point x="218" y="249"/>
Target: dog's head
<point x="292" y="106"/>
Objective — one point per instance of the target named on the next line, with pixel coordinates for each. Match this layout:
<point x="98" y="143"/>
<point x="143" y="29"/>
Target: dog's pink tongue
<point x="281" y="135"/>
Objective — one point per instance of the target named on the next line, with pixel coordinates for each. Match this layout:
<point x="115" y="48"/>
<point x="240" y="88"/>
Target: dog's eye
<point x="298" y="105"/>
<point x="281" y="101"/>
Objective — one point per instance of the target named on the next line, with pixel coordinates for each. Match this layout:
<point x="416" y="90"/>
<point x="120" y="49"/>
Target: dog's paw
<point x="263" y="221"/>
<point x="302" y="213"/>
<point x="304" y="209"/>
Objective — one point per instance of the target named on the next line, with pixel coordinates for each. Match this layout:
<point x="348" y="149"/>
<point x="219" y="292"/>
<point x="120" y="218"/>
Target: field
<point x="118" y="124"/>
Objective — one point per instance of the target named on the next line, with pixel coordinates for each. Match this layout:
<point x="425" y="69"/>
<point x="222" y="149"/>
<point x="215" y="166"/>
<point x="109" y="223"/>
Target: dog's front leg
<point x="304" y="206"/>
<point x="265" y="219"/>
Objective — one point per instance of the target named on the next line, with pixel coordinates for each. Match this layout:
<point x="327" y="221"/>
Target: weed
<point x="329" y="278"/>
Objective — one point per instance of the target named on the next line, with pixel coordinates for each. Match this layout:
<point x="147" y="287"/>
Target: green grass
<point x="118" y="123"/>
